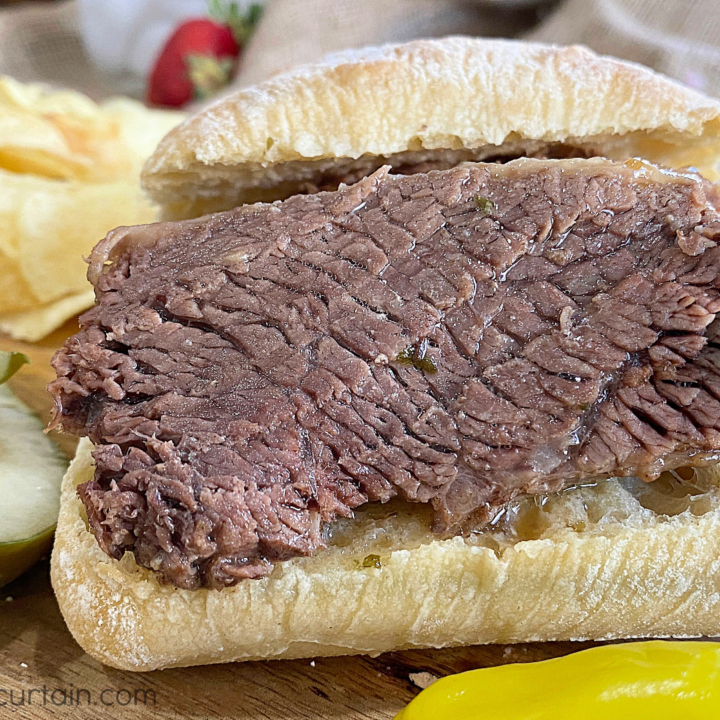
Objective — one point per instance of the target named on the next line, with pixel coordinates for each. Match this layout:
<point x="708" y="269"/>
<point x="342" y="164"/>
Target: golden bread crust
<point x="422" y="97"/>
<point x="623" y="571"/>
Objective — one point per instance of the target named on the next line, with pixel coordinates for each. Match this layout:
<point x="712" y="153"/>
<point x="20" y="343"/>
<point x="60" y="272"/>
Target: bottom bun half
<point x="618" y="559"/>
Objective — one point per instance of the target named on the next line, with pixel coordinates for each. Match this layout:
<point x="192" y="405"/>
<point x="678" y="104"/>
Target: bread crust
<point x="643" y="575"/>
<point x="421" y="98"/>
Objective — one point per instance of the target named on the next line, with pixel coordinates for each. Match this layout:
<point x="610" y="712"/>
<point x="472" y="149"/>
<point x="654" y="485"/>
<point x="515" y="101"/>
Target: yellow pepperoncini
<point x="656" y="680"/>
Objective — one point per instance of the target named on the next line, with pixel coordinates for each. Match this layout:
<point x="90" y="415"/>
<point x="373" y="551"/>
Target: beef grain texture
<point x="240" y="372"/>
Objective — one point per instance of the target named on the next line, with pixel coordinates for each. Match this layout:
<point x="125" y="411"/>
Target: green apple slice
<point x="31" y="470"/>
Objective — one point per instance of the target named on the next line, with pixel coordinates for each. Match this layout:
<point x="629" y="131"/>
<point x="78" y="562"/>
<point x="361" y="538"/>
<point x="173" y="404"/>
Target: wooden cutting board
<point x="51" y="675"/>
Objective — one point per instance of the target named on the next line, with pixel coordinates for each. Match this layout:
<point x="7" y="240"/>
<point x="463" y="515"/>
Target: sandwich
<point x="425" y="353"/>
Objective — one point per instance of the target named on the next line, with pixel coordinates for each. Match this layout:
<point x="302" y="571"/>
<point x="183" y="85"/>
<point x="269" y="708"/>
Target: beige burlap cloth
<point x="678" y="37"/>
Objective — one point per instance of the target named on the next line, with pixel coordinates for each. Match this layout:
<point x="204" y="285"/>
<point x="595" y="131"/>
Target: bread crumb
<point x="423" y="679"/>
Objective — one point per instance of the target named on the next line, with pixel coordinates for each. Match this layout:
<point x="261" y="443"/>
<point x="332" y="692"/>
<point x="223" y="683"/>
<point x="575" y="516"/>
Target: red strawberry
<point x="196" y="61"/>
<point x="200" y="56"/>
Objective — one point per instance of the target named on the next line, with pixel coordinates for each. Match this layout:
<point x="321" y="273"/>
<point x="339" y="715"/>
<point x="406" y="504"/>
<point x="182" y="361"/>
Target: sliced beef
<point x="457" y="338"/>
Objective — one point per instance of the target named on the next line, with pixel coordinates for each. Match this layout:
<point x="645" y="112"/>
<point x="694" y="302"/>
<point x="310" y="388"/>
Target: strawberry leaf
<point x="242" y="24"/>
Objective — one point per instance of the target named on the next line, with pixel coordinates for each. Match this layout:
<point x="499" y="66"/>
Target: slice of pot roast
<point x="458" y="337"/>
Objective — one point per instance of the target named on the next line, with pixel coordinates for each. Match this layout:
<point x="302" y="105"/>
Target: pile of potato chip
<point x="69" y="173"/>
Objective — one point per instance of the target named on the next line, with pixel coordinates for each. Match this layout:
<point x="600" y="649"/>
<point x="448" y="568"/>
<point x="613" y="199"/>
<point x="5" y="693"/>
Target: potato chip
<point x="64" y="134"/>
<point x="59" y="225"/>
<point x="141" y="129"/>
<point x="69" y="173"/>
<point x="51" y="134"/>
<point x="33" y="145"/>
<point x="33" y="325"/>
<point x="47" y="226"/>
<point x="15" y="293"/>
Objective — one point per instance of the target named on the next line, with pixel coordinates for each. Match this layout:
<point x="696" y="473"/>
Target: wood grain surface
<point x="50" y="676"/>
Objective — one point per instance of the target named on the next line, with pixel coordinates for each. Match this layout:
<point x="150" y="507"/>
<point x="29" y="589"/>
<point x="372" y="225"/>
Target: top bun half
<point x="426" y="103"/>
